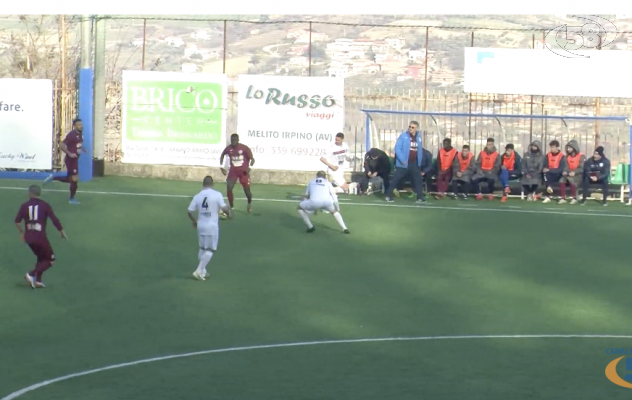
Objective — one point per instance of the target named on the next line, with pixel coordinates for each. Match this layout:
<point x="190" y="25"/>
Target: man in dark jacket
<point x="376" y="164"/>
<point x="597" y="172"/>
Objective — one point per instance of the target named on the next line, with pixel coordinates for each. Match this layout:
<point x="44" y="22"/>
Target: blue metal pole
<point x="367" y="131"/>
<point x="86" y="107"/>
<point x="450" y="114"/>
<point x="630" y="168"/>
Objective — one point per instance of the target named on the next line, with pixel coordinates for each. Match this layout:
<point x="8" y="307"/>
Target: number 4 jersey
<point x="208" y="204"/>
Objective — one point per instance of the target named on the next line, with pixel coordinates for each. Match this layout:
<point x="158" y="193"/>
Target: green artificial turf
<point x="122" y="291"/>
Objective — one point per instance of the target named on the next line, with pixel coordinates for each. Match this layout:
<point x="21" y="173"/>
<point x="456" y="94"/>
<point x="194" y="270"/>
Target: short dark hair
<point x="340" y="135"/>
<point x="491" y="140"/>
<point x="208" y="181"/>
<point x="35" y="190"/>
<point x="234" y="135"/>
<point x="554" y="143"/>
<point x="415" y="123"/>
<point x="466" y="146"/>
<point x="447" y="140"/>
<point x="509" y="146"/>
<point x="321" y="174"/>
<point x="74" y="121"/>
<point x="374" y="153"/>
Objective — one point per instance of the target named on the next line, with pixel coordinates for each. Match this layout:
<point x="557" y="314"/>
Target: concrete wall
<point x="185" y="173"/>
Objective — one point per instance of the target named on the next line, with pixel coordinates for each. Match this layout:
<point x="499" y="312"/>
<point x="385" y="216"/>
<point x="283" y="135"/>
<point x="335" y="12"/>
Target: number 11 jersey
<point x="208" y="204"/>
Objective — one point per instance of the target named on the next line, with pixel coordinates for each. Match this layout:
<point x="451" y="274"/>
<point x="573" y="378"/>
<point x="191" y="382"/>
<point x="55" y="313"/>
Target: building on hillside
<point x="396" y="43"/>
<point x="416" y="54"/>
<point x="416" y="71"/>
<point x="299" y="61"/>
<point x="295" y="33"/>
<point x="540" y="45"/>
<point x="298" y="50"/>
<point x="316" y="37"/>
<point x="137" y="42"/>
<point x="255" y="32"/>
<point x="174" y="41"/>
<point x="201" y="35"/>
<point x="379" y="47"/>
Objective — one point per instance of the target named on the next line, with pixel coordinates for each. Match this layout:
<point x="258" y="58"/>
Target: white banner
<point x="26" y="123"/>
<point x="173" y="118"/>
<point x="600" y="73"/>
<point x="289" y="122"/>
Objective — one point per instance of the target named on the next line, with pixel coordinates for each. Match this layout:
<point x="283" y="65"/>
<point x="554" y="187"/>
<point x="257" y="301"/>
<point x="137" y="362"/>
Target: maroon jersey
<point x="73" y="141"/>
<point x="240" y="157"/>
<point x="35" y="213"/>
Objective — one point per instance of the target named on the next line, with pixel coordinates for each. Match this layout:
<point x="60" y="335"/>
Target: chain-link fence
<point x="388" y="63"/>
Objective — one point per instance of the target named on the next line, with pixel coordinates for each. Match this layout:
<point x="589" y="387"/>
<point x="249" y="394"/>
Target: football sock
<point x="573" y="190"/>
<point x="73" y="189"/>
<point x="229" y="193"/>
<point x="65" y="179"/>
<point x="339" y="220"/>
<point x="305" y="217"/>
<point x="204" y="260"/>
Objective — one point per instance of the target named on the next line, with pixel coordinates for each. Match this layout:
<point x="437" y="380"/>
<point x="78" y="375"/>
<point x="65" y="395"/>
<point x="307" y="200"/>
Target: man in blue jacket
<point x="596" y="172"/>
<point x="408" y="161"/>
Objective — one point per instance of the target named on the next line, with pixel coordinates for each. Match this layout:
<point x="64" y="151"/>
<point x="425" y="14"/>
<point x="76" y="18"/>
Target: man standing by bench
<point x="408" y="161"/>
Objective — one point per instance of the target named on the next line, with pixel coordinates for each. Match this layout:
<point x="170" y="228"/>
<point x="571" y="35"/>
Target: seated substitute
<point x="573" y="171"/>
<point x="487" y="167"/>
<point x="445" y="166"/>
<point x="463" y="168"/>
<point x="510" y="169"/>
<point x="532" y="164"/>
<point x="552" y="168"/>
<point x="376" y="165"/>
<point x="596" y="172"/>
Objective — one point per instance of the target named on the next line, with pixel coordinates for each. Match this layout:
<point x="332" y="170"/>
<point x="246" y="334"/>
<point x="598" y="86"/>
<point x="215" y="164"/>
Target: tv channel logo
<point x="611" y="369"/>
<point x="595" y="32"/>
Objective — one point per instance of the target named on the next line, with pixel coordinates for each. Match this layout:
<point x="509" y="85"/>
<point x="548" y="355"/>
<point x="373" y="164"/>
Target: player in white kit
<point x="320" y="195"/>
<point x="336" y="161"/>
<point x="208" y="204"/>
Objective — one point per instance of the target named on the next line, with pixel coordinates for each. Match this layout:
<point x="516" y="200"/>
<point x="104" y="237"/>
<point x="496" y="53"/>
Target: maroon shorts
<point x="41" y="248"/>
<point x="72" y="166"/>
<point x="240" y="175"/>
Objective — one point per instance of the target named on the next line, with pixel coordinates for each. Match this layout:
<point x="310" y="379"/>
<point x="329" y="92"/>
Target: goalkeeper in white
<point x="208" y="204"/>
<point x="320" y="195"/>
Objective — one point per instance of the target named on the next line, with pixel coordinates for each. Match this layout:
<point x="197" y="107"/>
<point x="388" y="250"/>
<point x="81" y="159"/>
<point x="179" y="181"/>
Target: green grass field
<point x="122" y="291"/>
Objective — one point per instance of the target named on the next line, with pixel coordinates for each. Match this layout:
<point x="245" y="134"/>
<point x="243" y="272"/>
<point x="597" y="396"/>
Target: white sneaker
<point x="546" y="200"/>
<point x="198" y="276"/>
<point x="30" y="280"/>
<point x="574" y="201"/>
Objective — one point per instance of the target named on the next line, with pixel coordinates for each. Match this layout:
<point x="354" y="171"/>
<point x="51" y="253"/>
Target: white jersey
<point x="208" y="204"/>
<point x="321" y="190"/>
<point x="338" y="156"/>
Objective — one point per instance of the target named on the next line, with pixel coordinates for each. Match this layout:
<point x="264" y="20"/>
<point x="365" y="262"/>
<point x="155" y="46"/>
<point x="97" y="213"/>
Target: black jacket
<point x="600" y="168"/>
<point x="381" y="165"/>
<point x="427" y="165"/>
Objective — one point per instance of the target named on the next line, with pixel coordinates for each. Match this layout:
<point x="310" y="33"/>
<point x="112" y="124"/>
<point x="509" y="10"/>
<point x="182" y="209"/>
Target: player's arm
<point x="18" y="222"/>
<point x="190" y="212"/>
<point x="327" y="163"/>
<point x="222" y="167"/>
<point x="56" y="222"/>
<point x="64" y="147"/>
<point x="250" y="157"/>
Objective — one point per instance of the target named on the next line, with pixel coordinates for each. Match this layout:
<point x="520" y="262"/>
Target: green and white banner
<point x="173" y="118"/>
<point x="290" y="122"/>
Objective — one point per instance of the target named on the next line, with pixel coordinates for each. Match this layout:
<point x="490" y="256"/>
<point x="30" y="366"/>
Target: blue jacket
<point x="402" y="150"/>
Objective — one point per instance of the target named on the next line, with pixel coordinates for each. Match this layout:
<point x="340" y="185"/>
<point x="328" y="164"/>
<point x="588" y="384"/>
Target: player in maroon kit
<point x="72" y="146"/>
<point x="240" y="162"/>
<point x="35" y="213"/>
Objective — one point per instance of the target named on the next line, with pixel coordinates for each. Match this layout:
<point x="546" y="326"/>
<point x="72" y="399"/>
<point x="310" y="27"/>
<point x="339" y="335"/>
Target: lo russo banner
<point x="173" y="118"/>
<point x="289" y="122"/>
<point x="26" y="124"/>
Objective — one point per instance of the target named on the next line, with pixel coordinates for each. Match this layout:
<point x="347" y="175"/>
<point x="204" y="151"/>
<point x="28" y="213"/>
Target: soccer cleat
<point x="563" y="201"/>
<point x="48" y="179"/>
<point x="389" y="200"/>
<point x="503" y="199"/>
<point x="507" y="190"/>
<point x="30" y="280"/>
<point x="479" y="197"/>
<point x="40" y="285"/>
<point x="422" y="201"/>
<point x="249" y="210"/>
<point x="198" y="276"/>
<point x="464" y="197"/>
<point x="605" y="204"/>
<point x="583" y="202"/>
<point x="396" y="193"/>
<point x="549" y="190"/>
<point x="546" y="200"/>
<point x="74" y="201"/>
<point x="573" y="201"/>
<point x="310" y="230"/>
<point x="346" y="231"/>
<point x="490" y="197"/>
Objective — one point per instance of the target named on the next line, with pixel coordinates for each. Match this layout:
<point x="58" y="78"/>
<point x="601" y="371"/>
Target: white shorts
<point x="337" y="177"/>
<point x="311" y="206"/>
<point x="208" y="242"/>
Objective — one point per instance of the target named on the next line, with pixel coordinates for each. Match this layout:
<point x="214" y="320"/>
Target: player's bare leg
<point x="230" y="185"/>
<point x="249" y="197"/>
<point x="303" y="214"/>
<point x="340" y="221"/>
